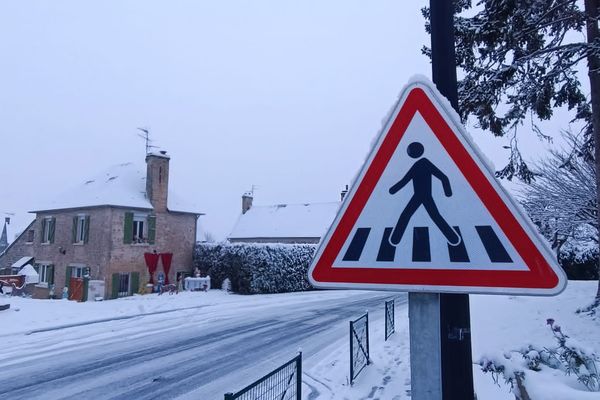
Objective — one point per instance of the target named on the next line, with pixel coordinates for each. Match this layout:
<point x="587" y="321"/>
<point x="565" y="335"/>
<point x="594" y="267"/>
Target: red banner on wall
<point x="151" y="263"/>
<point x="166" y="262"/>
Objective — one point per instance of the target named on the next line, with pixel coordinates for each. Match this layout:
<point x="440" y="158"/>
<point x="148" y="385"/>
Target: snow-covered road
<point x="199" y="352"/>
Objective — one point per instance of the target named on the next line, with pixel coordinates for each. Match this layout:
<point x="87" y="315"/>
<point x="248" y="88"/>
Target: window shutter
<point x="151" y="229"/>
<point x="43" y="230"/>
<point x="86" y="231"/>
<point x="52" y="229"/>
<point x="74" y="230"/>
<point x="135" y="282"/>
<point x="86" y="288"/>
<point x="68" y="277"/>
<point x="128" y="228"/>
<point x="114" y="289"/>
<point x="50" y="274"/>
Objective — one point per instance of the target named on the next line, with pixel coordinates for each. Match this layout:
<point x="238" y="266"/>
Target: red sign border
<point x="541" y="278"/>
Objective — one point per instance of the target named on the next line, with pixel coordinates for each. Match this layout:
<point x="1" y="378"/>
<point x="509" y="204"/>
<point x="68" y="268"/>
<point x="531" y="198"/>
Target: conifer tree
<point x="519" y="61"/>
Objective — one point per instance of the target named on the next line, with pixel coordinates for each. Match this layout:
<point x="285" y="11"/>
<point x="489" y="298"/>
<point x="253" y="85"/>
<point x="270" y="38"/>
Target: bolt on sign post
<point x="426" y="215"/>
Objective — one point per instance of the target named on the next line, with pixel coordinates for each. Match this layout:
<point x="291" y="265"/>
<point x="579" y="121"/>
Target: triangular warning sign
<point x="425" y="213"/>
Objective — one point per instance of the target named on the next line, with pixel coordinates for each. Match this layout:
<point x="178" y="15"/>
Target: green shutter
<point x="86" y="229"/>
<point x="135" y="282"/>
<point x="151" y="228"/>
<point x="50" y="274"/>
<point x="128" y="228"/>
<point x="43" y="230"/>
<point x="86" y="287"/>
<point x="114" y="289"/>
<point x="52" y="229"/>
<point x="68" y="277"/>
<point x="74" y="230"/>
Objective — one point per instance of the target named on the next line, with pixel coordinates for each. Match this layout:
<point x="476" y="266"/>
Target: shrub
<point x="256" y="268"/>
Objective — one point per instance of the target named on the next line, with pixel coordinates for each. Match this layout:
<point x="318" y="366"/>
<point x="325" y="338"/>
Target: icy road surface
<point x="197" y="353"/>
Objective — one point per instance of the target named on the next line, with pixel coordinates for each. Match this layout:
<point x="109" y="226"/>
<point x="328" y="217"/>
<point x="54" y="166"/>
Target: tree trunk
<point x="591" y="9"/>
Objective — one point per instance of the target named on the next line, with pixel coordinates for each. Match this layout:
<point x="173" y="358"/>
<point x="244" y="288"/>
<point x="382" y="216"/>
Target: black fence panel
<point x="284" y="383"/>
<point x="359" y="346"/>
<point x="390" y="326"/>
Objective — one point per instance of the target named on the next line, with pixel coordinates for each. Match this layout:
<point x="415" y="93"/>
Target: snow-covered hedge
<point x="579" y="264"/>
<point x="256" y="268"/>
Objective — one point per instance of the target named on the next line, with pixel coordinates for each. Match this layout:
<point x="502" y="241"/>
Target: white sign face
<point x="427" y="214"/>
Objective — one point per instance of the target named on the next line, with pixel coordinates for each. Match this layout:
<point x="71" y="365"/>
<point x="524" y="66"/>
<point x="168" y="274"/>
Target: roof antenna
<point x="254" y="187"/>
<point x="146" y="136"/>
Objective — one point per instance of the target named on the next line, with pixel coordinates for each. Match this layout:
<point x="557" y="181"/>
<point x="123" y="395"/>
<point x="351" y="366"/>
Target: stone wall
<point x="105" y="253"/>
<point x="94" y="254"/>
<point x="175" y="233"/>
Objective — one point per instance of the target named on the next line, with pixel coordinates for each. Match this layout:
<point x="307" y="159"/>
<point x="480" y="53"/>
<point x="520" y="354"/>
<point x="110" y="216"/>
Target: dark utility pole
<point x="455" y="321"/>
<point x="591" y="10"/>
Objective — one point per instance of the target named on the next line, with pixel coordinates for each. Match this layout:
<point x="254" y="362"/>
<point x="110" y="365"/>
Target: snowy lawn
<point x="500" y="324"/>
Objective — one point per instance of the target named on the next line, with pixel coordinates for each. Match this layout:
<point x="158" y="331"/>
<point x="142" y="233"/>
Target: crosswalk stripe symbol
<point x="425" y="213"/>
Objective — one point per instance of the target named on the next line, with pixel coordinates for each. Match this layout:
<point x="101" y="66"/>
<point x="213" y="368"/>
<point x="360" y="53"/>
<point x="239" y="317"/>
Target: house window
<point x="46" y="273"/>
<point x="30" y="235"/>
<point x="139" y="228"/>
<point x="81" y="228"/>
<point x="139" y="224"/>
<point x="48" y="225"/>
<point x="79" y="271"/>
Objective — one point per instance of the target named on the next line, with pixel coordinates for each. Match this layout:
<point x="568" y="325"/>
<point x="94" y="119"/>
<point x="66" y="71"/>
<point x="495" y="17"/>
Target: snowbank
<point x="499" y="324"/>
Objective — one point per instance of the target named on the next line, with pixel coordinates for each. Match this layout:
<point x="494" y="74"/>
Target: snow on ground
<point x="500" y="324"/>
<point x="28" y="315"/>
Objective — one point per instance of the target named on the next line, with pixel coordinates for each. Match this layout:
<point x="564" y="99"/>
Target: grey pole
<point x="425" y="346"/>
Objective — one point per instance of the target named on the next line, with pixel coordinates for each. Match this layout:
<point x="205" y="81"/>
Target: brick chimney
<point x="157" y="179"/>
<point x="246" y="202"/>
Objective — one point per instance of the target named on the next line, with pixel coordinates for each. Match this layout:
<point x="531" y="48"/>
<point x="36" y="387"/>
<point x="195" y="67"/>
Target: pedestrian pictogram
<point x="425" y="213"/>
<point x="421" y="173"/>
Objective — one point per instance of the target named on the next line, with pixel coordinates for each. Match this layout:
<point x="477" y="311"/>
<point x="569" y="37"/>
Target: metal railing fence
<point x="359" y="345"/>
<point x="284" y="383"/>
<point x="390" y="326"/>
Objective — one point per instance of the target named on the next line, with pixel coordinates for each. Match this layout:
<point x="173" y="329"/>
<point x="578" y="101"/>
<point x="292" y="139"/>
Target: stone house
<point x="103" y="228"/>
<point x="283" y="223"/>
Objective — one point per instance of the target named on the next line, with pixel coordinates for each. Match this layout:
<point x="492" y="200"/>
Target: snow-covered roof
<point x="21" y="262"/>
<point x="31" y="275"/>
<point x="309" y="220"/>
<point x="122" y="185"/>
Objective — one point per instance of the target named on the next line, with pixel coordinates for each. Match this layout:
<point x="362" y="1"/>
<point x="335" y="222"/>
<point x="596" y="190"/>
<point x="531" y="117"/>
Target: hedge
<point x="256" y="268"/>
<point x="580" y="265"/>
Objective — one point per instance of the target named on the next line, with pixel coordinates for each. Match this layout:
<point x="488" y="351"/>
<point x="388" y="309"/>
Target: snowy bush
<point x="580" y="262"/>
<point x="568" y="356"/>
<point x="257" y="268"/>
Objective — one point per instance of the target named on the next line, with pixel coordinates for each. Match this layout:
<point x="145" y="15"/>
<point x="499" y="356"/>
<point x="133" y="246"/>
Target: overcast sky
<point x="279" y="94"/>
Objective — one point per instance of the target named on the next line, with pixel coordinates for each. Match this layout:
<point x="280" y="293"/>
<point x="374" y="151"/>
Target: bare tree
<point x="561" y="201"/>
